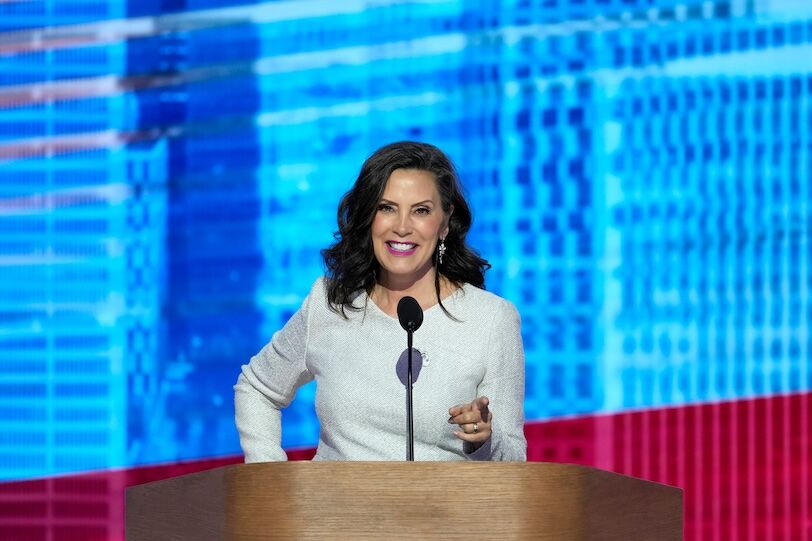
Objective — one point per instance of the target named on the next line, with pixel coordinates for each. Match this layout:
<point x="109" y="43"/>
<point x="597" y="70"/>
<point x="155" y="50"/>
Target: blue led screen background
<point x="639" y="172"/>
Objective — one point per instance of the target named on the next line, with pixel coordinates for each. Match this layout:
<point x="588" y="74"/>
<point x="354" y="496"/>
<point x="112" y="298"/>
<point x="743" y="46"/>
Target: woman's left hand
<point x="474" y="420"/>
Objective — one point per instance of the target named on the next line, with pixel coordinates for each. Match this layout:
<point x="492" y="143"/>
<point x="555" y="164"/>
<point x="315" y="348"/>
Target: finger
<point x="475" y="428"/>
<point x="474" y="437"/>
<point x="473" y="416"/>
<point x="459" y="408"/>
<point x="468" y="417"/>
<point x="480" y="404"/>
<point x="483" y="402"/>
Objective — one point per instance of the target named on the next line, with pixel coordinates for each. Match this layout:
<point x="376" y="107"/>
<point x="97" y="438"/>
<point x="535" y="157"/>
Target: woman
<point x="402" y="231"/>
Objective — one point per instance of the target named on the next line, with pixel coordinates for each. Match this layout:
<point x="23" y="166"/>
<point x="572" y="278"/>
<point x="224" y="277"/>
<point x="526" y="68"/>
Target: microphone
<point x="410" y="316"/>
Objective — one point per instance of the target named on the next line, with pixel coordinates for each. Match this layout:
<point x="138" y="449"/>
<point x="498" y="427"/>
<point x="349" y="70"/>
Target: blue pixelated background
<point x="639" y="172"/>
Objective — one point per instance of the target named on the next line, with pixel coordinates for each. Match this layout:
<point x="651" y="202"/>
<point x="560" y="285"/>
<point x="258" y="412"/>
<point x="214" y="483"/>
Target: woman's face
<point x="407" y="226"/>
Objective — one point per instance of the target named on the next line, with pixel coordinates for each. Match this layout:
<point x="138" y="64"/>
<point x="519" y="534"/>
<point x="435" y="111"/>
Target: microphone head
<point x="410" y="314"/>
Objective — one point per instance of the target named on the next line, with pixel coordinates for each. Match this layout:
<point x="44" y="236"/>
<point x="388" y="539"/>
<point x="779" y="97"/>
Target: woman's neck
<point x="387" y="294"/>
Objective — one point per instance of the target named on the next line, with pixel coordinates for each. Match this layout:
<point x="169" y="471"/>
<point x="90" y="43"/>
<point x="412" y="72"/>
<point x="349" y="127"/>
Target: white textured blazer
<point x="359" y="368"/>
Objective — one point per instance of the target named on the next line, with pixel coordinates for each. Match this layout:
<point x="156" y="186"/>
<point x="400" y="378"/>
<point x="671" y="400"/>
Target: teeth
<point x="401" y="246"/>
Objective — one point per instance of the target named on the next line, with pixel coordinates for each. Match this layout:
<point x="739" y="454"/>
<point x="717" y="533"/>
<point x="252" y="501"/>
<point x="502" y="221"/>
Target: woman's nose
<point x="404" y="224"/>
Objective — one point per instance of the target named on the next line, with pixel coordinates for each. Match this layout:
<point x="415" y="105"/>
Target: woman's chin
<point x="400" y="272"/>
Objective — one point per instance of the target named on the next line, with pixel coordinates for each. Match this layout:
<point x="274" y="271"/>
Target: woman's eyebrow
<point x="387" y="201"/>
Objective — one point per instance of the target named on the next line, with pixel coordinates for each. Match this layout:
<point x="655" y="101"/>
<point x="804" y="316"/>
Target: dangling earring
<point x="441" y="251"/>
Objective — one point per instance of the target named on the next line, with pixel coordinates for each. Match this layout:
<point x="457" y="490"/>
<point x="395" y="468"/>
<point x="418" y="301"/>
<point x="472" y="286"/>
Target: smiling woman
<point x="401" y="232"/>
<point x="397" y="180"/>
<point x="408" y="229"/>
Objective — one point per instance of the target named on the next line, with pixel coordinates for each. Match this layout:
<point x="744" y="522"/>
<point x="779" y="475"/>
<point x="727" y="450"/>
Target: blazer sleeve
<point x="268" y="383"/>
<point x="503" y="384"/>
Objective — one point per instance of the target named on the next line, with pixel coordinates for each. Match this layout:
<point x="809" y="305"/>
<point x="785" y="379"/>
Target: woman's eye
<point x="423" y="211"/>
<point x="385" y="208"/>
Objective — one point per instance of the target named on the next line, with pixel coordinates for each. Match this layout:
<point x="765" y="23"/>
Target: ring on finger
<point x="476" y="428"/>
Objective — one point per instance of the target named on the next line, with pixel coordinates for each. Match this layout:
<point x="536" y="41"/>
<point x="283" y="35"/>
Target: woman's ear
<point x="447" y="221"/>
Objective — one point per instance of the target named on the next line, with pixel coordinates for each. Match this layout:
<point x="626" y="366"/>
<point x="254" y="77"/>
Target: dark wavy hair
<point x="350" y="261"/>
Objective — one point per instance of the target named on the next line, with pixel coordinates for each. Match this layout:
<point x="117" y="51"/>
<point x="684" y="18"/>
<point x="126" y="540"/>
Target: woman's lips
<point x="401" y="248"/>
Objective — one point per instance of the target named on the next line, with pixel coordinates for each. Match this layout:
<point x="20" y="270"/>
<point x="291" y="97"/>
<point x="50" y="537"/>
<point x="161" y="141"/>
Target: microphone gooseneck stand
<point x="409" y="403"/>
<point x="410" y="316"/>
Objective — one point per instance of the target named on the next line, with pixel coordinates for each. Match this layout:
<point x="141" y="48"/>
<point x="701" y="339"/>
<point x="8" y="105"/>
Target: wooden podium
<point x="403" y="500"/>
